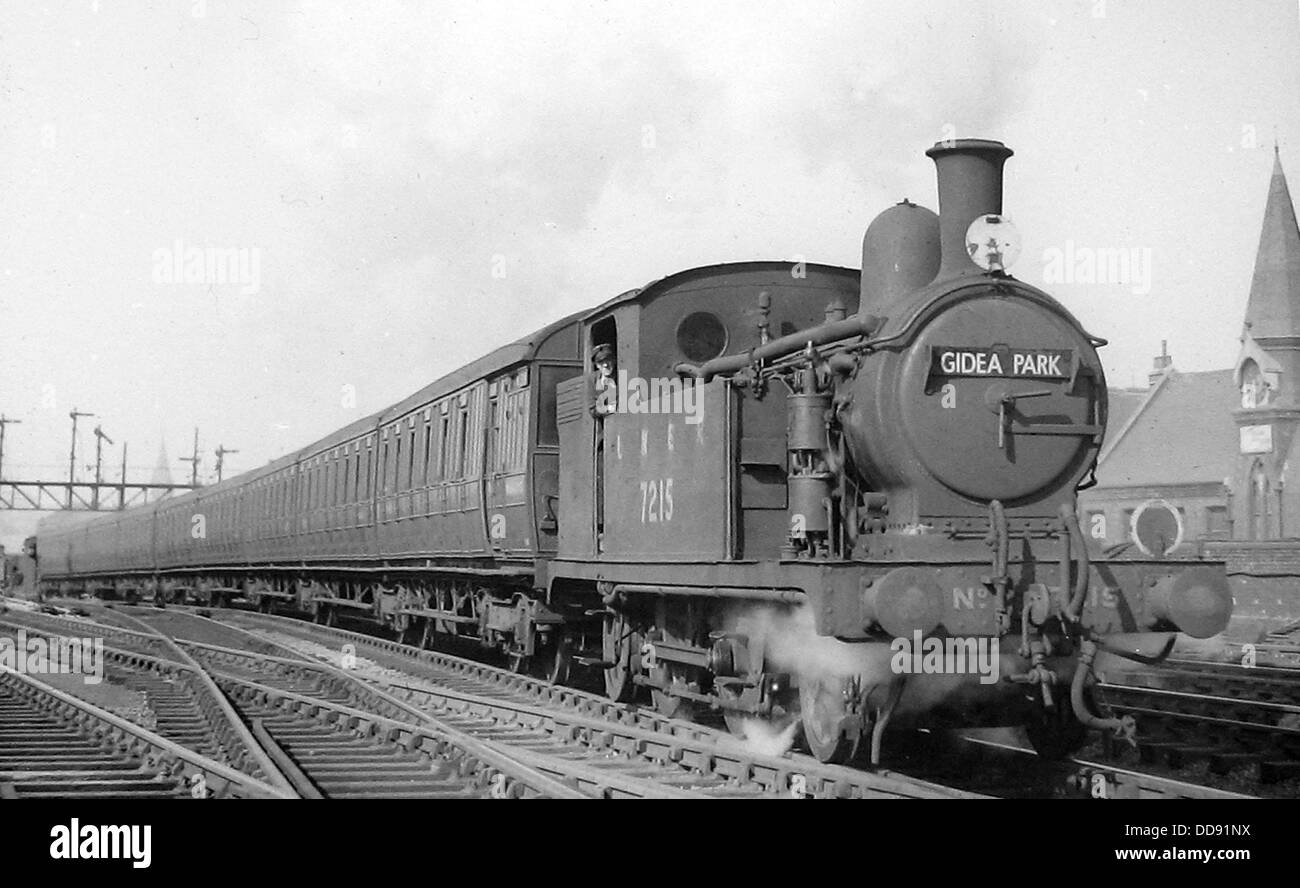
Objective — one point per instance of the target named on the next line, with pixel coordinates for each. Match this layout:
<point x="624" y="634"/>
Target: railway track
<point x="585" y="728"/>
<point x="254" y="680"/>
<point x="318" y="748"/>
<point x="1017" y="771"/>
<point x="56" y="745"/>
<point x="604" y="757"/>
<point x="167" y="694"/>
<point x="1081" y="777"/>
<point x="1233" y="721"/>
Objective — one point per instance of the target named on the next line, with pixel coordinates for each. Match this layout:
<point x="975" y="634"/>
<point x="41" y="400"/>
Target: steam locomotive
<point x="797" y="494"/>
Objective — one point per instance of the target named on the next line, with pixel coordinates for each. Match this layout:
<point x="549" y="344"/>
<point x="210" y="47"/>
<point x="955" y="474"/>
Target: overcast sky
<point x="418" y="183"/>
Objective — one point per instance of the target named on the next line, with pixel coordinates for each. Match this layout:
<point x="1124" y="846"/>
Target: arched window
<point x="1255" y="390"/>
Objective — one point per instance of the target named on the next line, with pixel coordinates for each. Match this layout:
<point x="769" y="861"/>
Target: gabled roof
<point x="1274" y="307"/>
<point x="1123" y="404"/>
<point x="1183" y="433"/>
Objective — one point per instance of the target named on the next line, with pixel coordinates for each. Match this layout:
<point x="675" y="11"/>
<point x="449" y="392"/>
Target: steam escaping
<point x="761" y="737"/>
<point x="790" y="643"/>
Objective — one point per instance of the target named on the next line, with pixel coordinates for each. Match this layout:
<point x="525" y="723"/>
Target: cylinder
<point x="970" y="185"/>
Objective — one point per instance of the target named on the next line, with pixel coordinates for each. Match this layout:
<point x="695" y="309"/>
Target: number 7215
<point x="657" y="500"/>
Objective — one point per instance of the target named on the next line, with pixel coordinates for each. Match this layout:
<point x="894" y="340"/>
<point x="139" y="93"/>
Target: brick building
<point x="1216" y="446"/>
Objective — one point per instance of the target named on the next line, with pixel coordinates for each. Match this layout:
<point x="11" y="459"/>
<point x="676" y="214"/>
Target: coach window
<point x="410" y="454"/>
<point x="548" y="430"/>
<point x="349" y="491"/>
<point x="514" y="427"/>
<point x="428" y="446"/>
<point x="494" y="460"/>
<point x="363" y="467"/>
<point x="350" y="474"/>
<point x="444" y="440"/>
<point x="390" y="484"/>
<point x="462" y="440"/>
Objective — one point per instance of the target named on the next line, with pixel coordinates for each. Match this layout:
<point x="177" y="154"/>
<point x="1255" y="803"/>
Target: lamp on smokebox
<point x="992" y="242"/>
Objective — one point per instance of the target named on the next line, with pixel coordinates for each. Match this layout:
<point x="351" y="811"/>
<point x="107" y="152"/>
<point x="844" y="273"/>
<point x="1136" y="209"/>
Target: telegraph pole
<point x="4" y="421"/>
<point x="121" y="493"/>
<point x="221" y="451"/>
<point x="193" y="461"/>
<point x="72" y="454"/>
<point x="100" y="438"/>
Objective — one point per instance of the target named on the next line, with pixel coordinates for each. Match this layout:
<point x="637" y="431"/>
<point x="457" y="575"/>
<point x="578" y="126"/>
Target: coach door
<point x="509" y="525"/>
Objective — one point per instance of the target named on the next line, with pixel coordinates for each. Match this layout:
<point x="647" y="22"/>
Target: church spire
<point x="1274" y="307"/>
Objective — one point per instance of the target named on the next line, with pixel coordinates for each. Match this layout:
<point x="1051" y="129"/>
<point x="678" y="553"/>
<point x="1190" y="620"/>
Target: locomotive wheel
<point x="734" y="718"/>
<point x="620" y="647"/>
<point x="823" y="713"/>
<point x="1055" y="733"/>
<point x="667" y="703"/>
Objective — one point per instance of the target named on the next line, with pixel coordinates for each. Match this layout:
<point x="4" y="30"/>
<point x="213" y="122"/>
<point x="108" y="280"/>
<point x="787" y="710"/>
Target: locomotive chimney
<point x="970" y="186"/>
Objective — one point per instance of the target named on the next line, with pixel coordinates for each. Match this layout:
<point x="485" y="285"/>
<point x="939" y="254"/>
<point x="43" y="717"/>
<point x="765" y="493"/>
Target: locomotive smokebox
<point x="970" y="186"/>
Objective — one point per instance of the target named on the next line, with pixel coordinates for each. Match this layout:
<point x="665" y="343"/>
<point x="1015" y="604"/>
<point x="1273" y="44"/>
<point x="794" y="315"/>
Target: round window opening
<point x="701" y="337"/>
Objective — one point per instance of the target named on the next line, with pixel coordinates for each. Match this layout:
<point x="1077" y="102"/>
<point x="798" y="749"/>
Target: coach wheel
<point x="830" y="730"/>
<point x="620" y="648"/>
<point x="561" y="659"/>
<point x="549" y="662"/>
<point x="401" y="623"/>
